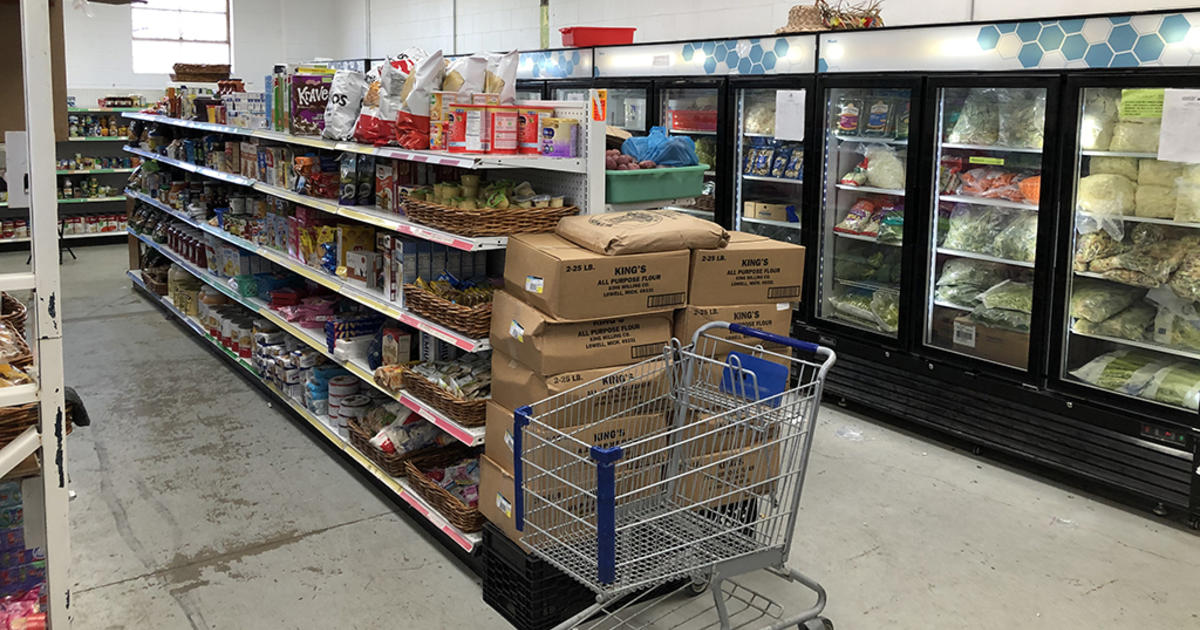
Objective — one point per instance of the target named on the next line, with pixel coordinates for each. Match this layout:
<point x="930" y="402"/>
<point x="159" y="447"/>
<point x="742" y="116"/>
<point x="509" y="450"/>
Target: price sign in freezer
<point x="1179" y="140"/>
<point x="789" y="115"/>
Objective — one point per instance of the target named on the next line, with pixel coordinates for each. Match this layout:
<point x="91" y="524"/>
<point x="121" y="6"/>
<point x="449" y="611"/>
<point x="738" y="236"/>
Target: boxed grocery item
<point x="309" y="96"/>
<point x="515" y="385"/>
<point x="568" y="282"/>
<point x="958" y="331"/>
<point x="496" y="498"/>
<point x="751" y="269"/>
<point x="641" y="231"/>
<point x="774" y="211"/>
<point x="773" y="318"/>
<point x="551" y="347"/>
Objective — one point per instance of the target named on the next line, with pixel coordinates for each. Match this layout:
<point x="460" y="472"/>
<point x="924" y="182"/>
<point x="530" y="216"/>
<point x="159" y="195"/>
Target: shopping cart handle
<point x="773" y="338"/>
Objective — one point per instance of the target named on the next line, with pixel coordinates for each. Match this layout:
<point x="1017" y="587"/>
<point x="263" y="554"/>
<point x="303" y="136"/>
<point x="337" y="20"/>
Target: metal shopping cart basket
<point x="685" y="469"/>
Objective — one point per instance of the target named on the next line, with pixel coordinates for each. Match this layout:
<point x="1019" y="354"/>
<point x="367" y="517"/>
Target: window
<point x="167" y="32"/>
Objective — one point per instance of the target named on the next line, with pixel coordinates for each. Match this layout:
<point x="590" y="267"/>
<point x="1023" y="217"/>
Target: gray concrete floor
<point x="201" y="506"/>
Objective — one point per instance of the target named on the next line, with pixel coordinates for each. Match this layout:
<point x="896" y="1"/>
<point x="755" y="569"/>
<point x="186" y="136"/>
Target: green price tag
<point x="983" y="159"/>
<point x="1141" y="103"/>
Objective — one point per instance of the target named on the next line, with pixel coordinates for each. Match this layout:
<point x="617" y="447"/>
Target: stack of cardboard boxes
<point x="569" y="315"/>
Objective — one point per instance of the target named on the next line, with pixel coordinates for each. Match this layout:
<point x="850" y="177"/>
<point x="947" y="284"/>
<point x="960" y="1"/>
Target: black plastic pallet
<point x="527" y="591"/>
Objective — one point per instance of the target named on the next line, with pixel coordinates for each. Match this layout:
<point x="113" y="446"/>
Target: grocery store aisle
<point x="201" y="507"/>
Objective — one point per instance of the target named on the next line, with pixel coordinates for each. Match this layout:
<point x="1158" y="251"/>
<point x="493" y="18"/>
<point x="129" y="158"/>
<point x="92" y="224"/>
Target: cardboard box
<point x="548" y="346"/>
<point x="750" y="270"/>
<point x="515" y="385"/>
<point x="730" y="476"/>
<point x="568" y="282"/>
<point x="774" y="211"/>
<point x="773" y="318"/>
<point x="496" y="498"/>
<point x="995" y="344"/>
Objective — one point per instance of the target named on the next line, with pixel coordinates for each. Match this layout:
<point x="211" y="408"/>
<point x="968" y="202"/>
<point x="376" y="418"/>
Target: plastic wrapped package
<point x="1157" y="261"/>
<point x="1133" y="323"/>
<point x="1009" y="295"/>
<point x="1125" y="371"/>
<point x="345" y="100"/>
<point x="1124" y="166"/>
<point x="1094" y="245"/>
<point x="854" y="265"/>
<point x="1177" y="330"/>
<point x="1156" y="172"/>
<point x="1153" y="201"/>
<point x="891" y="228"/>
<point x="1099" y="116"/>
<point x="1187" y="194"/>
<point x="1018" y="241"/>
<point x="994" y="183"/>
<point x="1097" y="300"/>
<point x="885" y="169"/>
<point x="1186" y="280"/>
<point x="1135" y="137"/>
<point x="1022" y="113"/>
<point x="1001" y="318"/>
<point x="412" y="120"/>
<point x="966" y="295"/>
<point x="1106" y="194"/>
<point x="857" y="217"/>
<point x="1147" y="233"/>
<point x="885" y="306"/>
<point x="979" y="120"/>
<point x="973" y="272"/>
<point x="855" y="303"/>
<point x="1177" y="384"/>
<point x="975" y="228"/>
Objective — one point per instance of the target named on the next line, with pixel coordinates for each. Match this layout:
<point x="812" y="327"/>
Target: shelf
<point x="1003" y="261"/>
<point x="877" y="140"/>
<point x="1147" y="345"/>
<point x="984" y="201"/>
<point x="750" y="134"/>
<point x="986" y="147"/>
<point x="653" y="204"/>
<point x="703" y="214"/>
<point x="956" y="307"/>
<point x="91" y="199"/>
<point x="18" y="395"/>
<point x="95" y="139"/>
<point x="100" y="110"/>
<point x="785" y="224"/>
<point x="467" y="541"/>
<point x="693" y="132"/>
<point x="371" y="299"/>
<point x="868" y="286"/>
<point x="193" y="168"/>
<point x="1134" y="219"/>
<point x="443" y="158"/>
<point x="191" y="323"/>
<point x="864" y="237"/>
<point x="778" y="180"/>
<point x="1129" y="154"/>
<point x="94" y="171"/>
<point x="871" y="189"/>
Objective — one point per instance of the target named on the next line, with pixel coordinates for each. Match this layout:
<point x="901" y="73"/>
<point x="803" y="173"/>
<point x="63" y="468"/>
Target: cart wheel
<point x="1193" y="522"/>
<point x="816" y="623"/>
<point x="696" y="588"/>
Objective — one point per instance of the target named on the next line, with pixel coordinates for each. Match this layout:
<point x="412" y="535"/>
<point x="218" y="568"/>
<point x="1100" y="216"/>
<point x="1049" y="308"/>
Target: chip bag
<point x="412" y="121"/>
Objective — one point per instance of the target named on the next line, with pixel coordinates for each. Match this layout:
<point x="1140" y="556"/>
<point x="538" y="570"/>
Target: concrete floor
<point x="201" y="506"/>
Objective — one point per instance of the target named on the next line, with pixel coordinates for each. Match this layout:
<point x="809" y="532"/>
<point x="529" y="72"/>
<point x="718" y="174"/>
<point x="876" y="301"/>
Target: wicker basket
<point x="804" y="18"/>
<point x="13" y="312"/>
<point x="473" y="321"/>
<point x="25" y="358"/>
<point x="391" y="463"/>
<point x="485" y="221"/>
<point x="15" y="420"/>
<point x="462" y="516"/>
<point x="469" y="413"/>
<point x="155" y="280"/>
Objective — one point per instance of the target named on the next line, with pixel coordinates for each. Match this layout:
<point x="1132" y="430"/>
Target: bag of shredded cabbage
<point x="1125" y="371"/>
<point x="971" y="271"/>
<point x="1022" y="116"/>
<point x="1097" y="300"/>
<point x="1009" y="295"/>
<point x="885" y="169"/>
<point x="1177" y="384"/>
<point x="978" y="120"/>
<point x="1133" y="323"/>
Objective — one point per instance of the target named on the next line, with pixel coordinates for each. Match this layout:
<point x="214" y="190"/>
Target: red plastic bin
<point x="583" y="36"/>
<point x="693" y="119"/>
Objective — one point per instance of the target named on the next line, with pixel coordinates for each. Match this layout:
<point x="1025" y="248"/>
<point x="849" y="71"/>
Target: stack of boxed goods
<point x="610" y="294"/>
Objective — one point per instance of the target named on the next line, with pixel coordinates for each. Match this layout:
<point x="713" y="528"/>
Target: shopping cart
<point x="685" y="470"/>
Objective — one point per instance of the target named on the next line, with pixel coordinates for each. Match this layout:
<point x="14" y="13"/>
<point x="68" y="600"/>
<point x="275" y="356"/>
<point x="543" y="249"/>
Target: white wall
<point x="264" y="32"/>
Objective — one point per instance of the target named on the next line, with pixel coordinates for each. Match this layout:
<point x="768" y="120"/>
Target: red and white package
<point x="412" y="121"/>
<point x="377" y="120"/>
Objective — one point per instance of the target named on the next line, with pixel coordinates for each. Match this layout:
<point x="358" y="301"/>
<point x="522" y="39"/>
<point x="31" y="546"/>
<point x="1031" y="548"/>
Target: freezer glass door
<point x="985" y="222"/>
<point x="570" y="94"/>
<point x="862" y="214"/>
<point x="692" y="112"/>
<point x="770" y="177"/>
<point x="627" y="109"/>
<point x="1133" y="320"/>
<point x="528" y="94"/>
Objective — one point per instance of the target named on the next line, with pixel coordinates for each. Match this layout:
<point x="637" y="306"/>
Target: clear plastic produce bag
<point x="1125" y="371"/>
<point x="1156" y="261"/>
<point x="1022" y="117"/>
<point x="974" y="272"/>
<point x="1001" y="318"/>
<point x="885" y="169"/>
<point x="1105" y="197"/>
<point x="1099" y="116"/>
<point x="1177" y="384"/>
<point x="1097" y="300"/>
<point x="1133" y="323"/>
<point x="1095" y="245"/>
<point x="1009" y="295"/>
<point x="979" y="120"/>
<point x="885" y="306"/>
<point x="1018" y="241"/>
<point x="975" y="228"/>
<point x="965" y="295"/>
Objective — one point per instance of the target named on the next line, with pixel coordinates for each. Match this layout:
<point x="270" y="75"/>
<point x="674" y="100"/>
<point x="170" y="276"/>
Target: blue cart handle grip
<point x="773" y="338"/>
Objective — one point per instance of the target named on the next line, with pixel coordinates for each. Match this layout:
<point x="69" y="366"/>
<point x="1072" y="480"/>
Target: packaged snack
<point x="345" y="100"/>
<point x="381" y="103"/>
<point x="348" y="179"/>
<point x="879" y="121"/>
<point x="412" y="119"/>
<point x="366" y="180"/>
<point x="857" y="217"/>
<point x="385" y="186"/>
<point x="464" y="77"/>
<point x="500" y="77"/>
<point x="310" y="96"/>
<point x="779" y="161"/>
<point x="795" y="164"/>
<point x="762" y="162"/>
<point x="848" y="116"/>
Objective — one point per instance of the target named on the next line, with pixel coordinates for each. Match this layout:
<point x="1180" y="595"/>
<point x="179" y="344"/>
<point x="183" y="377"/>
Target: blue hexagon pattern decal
<point x="1148" y="47"/>
<point x="1073" y="47"/>
<point x="1122" y="38"/>
<point x="989" y="36"/>
<point x="1174" y="28"/>
<point x="710" y="65"/>
<point x="756" y="53"/>
<point x="768" y="61"/>
<point x="1123" y="60"/>
<point x="1028" y="31"/>
<point x="743" y="66"/>
<point x="1104" y="42"/>
<point x="1030" y="55"/>
<point x="1006" y="28"/>
<point x="1098" y="56"/>
<point x="781" y="47"/>
<point x="708" y="47"/>
<point x="1051" y="38"/>
<point x="688" y="52"/>
<point x="1071" y="26"/>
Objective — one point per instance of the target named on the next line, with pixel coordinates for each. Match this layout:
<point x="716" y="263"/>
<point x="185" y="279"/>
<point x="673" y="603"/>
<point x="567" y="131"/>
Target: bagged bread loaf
<point x="641" y="231"/>
<point x="1126" y="167"/>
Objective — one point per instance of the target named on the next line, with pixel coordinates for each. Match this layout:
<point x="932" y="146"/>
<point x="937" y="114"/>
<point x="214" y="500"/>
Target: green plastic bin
<point x="653" y="184"/>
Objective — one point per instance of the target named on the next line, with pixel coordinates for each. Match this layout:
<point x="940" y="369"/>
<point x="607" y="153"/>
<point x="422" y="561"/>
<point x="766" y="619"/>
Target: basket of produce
<point x="448" y="479"/>
<point x="13" y="348"/>
<point x="460" y="388"/>
<point x="391" y="434"/>
<point x="498" y="209"/>
<point x="467" y="310"/>
<point x="13" y="312"/>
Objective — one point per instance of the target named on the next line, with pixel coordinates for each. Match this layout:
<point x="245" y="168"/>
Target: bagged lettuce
<point x="1097" y="300"/>
<point x="1125" y="371"/>
<point x="1001" y="318"/>
<point x="1018" y="241"/>
<point x="1022" y="117"/>
<point x="885" y="306"/>
<point x="975" y="228"/>
<point x="1013" y="296"/>
<point x="855" y="303"/>
<point x="965" y="295"/>
<point x="1177" y="384"/>
<point x="971" y="271"/>
<point x="1133" y="323"/>
<point x="978" y="120"/>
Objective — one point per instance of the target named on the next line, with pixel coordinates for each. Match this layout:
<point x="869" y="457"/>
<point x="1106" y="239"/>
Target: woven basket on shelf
<point x="469" y="413"/>
<point x="25" y="357"/>
<point x="156" y="279"/>
<point x="458" y="513"/>
<point x="15" y="420"/>
<point x="473" y="321"/>
<point x="391" y="463"/>
<point x="485" y="221"/>
<point x="13" y="312"/>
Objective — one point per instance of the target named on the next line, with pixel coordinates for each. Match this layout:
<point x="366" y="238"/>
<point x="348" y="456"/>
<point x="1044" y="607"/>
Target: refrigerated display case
<point x="692" y="109"/>
<point x="987" y="219"/>
<point x="865" y="178"/>
<point x="531" y="90"/>
<point x="628" y="105"/>
<point x="1131" y="322"/>
<point x="769" y="177"/>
